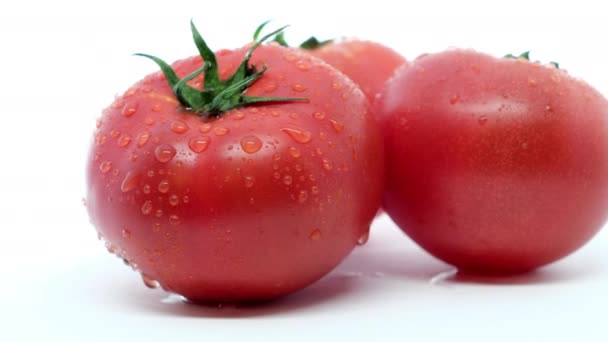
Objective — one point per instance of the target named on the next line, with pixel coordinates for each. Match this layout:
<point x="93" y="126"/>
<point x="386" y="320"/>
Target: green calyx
<point x="279" y="38"/>
<point x="526" y="55"/>
<point x="217" y="96"/>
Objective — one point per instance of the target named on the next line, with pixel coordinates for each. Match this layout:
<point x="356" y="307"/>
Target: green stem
<point x="218" y="96"/>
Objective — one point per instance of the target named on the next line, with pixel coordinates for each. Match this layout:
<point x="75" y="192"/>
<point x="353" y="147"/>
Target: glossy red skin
<point x="494" y="165"/>
<point x="368" y="64"/>
<point x="234" y="239"/>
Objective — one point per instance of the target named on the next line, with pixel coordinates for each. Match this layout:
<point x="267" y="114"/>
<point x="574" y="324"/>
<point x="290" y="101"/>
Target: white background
<point x="63" y="61"/>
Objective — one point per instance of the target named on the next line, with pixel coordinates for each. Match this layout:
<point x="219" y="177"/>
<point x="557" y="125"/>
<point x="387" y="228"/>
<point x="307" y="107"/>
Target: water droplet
<point x="270" y="87"/>
<point x="149" y="282"/>
<point x="205" y="128"/>
<point x="179" y="127"/>
<point x="105" y="166"/>
<point x="100" y="139"/>
<point x="251" y="144"/>
<point x="114" y="133"/>
<point x="315" y="234"/>
<point x="277" y="175"/>
<point x="150" y="121"/>
<point x="124" y="140"/>
<point x="157" y="107"/>
<point x="249" y="181"/>
<point x="150" y="173"/>
<point x="298" y="135"/>
<point x="338" y="126"/>
<point x="146" y="189"/>
<point x="362" y="240"/>
<point x="482" y="120"/>
<point x="219" y="131"/>
<point x="174" y="220"/>
<point x="318" y="115"/>
<point x="130" y="181"/>
<point x="130" y="109"/>
<point x="238" y="116"/>
<point x="164" y="153"/>
<point x="186" y="199"/>
<point x="146" y="208"/>
<point x="327" y="165"/>
<point x="454" y="99"/>
<point x="174" y="200"/>
<point x="142" y="139"/>
<point x="302" y="196"/>
<point x="302" y="65"/>
<point x="532" y="82"/>
<point x="163" y="186"/>
<point x="314" y="190"/>
<point x="298" y="87"/>
<point x="158" y="213"/>
<point x="199" y="144"/>
<point x="287" y="180"/>
<point x="126" y="233"/>
<point x="336" y="85"/>
<point x="294" y="152"/>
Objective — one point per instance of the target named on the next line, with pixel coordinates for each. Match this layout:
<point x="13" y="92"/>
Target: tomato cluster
<point x="248" y="174"/>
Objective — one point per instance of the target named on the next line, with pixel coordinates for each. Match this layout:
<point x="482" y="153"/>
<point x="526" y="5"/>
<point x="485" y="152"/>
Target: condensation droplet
<point x="314" y="190"/>
<point x="294" y="152"/>
<point x="186" y="199"/>
<point x="298" y="87"/>
<point x="315" y="234"/>
<point x="129" y="109"/>
<point x="124" y="140"/>
<point x="338" y="126"/>
<point x="164" y="153"/>
<point x="249" y="181"/>
<point x="277" y="175"/>
<point x="287" y="180"/>
<point x="219" y="131"/>
<point x="146" y="189"/>
<point x="318" y="115"/>
<point x="142" y="139"/>
<point x="174" y="220"/>
<point x="130" y="182"/>
<point x="163" y="186"/>
<point x="327" y="164"/>
<point x="270" y="87"/>
<point x="454" y="99"/>
<point x="157" y="107"/>
<point x="114" y="133"/>
<point x="174" y="200"/>
<point x="158" y="213"/>
<point x="179" y="127"/>
<point x="199" y="144"/>
<point x="146" y="208"/>
<point x="105" y="166"/>
<point x="482" y="120"/>
<point x="251" y="144"/>
<point x="362" y="240"/>
<point x="302" y="137"/>
<point x="149" y="282"/>
<point x="302" y="196"/>
<point x="205" y="128"/>
<point x="126" y="233"/>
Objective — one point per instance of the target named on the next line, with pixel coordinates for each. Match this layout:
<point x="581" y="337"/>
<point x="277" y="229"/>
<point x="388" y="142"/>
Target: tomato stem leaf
<point x="218" y="96"/>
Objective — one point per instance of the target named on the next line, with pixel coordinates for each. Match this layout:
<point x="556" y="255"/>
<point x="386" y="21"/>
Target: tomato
<point x="368" y="64"/>
<point x="245" y="194"/>
<point x="494" y="165"/>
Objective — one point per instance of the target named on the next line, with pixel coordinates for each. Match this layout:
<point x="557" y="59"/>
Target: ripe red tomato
<point x="494" y="165"/>
<point x="237" y="202"/>
<point x="368" y="64"/>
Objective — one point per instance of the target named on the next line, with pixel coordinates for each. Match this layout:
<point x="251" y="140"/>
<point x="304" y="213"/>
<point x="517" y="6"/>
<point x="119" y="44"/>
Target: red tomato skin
<point x="368" y="64"/>
<point x="494" y="165"/>
<point x="263" y="210"/>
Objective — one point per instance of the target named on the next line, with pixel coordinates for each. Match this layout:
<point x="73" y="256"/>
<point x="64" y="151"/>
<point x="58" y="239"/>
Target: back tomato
<point x="254" y="204"/>
<point x="494" y="165"/>
<point x="368" y="64"/>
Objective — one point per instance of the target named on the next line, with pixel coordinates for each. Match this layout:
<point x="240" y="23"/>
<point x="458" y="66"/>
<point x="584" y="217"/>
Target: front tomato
<point x="494" y="165"/>
<point x="249" y="203"/>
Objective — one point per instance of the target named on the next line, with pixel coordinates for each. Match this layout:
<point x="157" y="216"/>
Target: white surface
<point x="63" y="61"/>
